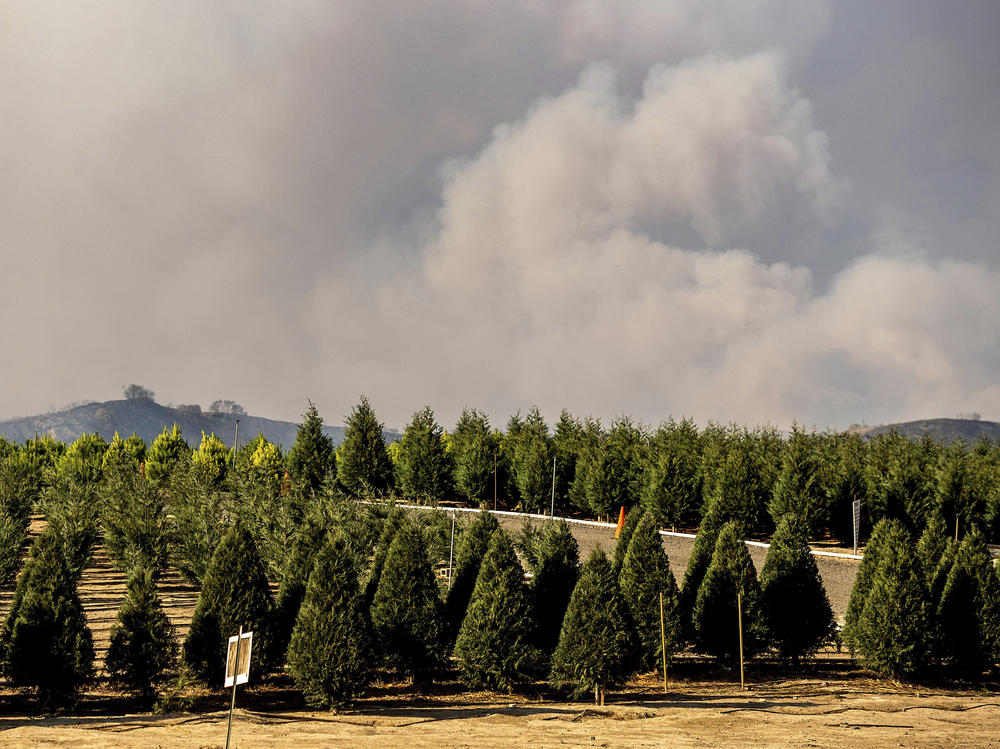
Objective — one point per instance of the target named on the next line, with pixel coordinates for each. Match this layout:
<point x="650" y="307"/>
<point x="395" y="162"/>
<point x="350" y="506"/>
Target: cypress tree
<point x="645" y="574"/>
<point x="597" y="640"/>
<point x="932" y="546"/>
<point x="475" y="450"/>
<point x="962" y="609"/>
<point x="327" y="656"/>
<point x="311" y="459"/>
<point x="556" y="572"/>
<point x="363" y="466"/>
<point x="614" y="478"/>
<point x="632" y="518"/>
<point x="567" y="441"/>
<point x="407" y="614"/>
<point x="799" y="489"/>
<point x="715" y="616"/>
<point x="865" y="577"/>
<point x="890" y="636"/>
<point x="301" y="560"/>
<point x="589" y="444"/>
<point x="234" y="593"/>
<point x="494" y="647"/>
<point x="472" y="548"/>
<point x="142" y="648"/>
<point x="393" y="522"/>
<point x="796" y="609"/>
<point x="672" y="483"/>
<point x="532" y="462"/>
<point x="698" y="562"/>
<point x="425" y="466"/>
<point x="46" y="642"/>
<point x="935" y="580"/>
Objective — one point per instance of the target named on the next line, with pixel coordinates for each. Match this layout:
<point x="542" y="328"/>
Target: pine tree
<point x="407" y="614"/>
<point x="15" y="514"/>
<point x="211" y="461"/>
<point x="645" y="576"/>
<point x="614" y="479"/>
<point x="799" y="489"/>
<point x="589" y="445"/>
<point x="82" y="461"/>
<point x="328" y="653"/>
<point x="532" y="462"/>
<point x="597" y="640"/>
<point x="202" y="512"/>
<point x="302" y="558"/>
<point x="471" y="550"/>
<point x="393" y="522"/>
<point x="311" y="459"/>
<point x="890" y="636"/>
<point x="741" y="487"/>
<point x="167" y="452"/>
<point x="954" y="501"/>
<point x="425" y="467"/>
<point x="931" y="547"/>
<point x="796" y="610"/>
<point x="715" y="619"/>
<point x="632" y="518"/>
<point x="46" y="642"/>
<point x="142" y="648"/>
<point x="123" y="455"/>
<point x="475" y="449"/>
<point x="557" y="569"/>
<point x="697" y="566"/>
<point x="495" y="647"/>
<point x="672" y="482"/>
<point x="134" y="516"/>
<point x="961" y="611"/>
<point x="71" y="510"/>
<point x="234" y="593"/>
<point x="363" y="466"/>
<point x="864" y="577"/>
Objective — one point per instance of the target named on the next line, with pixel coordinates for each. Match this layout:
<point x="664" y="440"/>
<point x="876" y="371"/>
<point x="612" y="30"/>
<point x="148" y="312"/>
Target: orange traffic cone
<point x="621" y="522"/>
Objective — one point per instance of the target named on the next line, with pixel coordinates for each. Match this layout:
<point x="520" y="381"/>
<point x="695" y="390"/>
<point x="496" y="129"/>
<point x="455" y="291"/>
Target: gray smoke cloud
<point x="653" y="208"/>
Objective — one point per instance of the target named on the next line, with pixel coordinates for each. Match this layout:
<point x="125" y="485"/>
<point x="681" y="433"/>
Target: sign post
<point x="237" y="669"/>
<point x="739" y="620"/>
<point x="856" y="510"/>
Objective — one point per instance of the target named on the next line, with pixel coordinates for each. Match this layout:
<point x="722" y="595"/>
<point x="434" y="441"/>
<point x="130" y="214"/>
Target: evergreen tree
<point x="301" y="560"/>
<point x="557" y="569"/>
<point x="715" y="617"/>
<point x="532" y="462"/>
<point x="614" y="478"/>
<point x="597" y="640"/>
<point x="472" y="548"/>
<point x="425" y="467"/>
<point x="82" y="461"/>
<point x="71" y="510"/>
<point x="589" y="445"/>
<point x="407" y="614"/>
<point x="142" y="648"/>
<point x="796" y="610"/>
<point x="393" y="522"/>
<point x="799" y="488"/>
<point x="865" y="577"/>
<point x="890" y="636"/>
<point x="671" y="487"/>
<point x="202" y="512"/>
<point x="567" y="441"/>
<point x="632" y="518"/>
<point x="962" y="609"/>
<point x="363" y="466"/>
<point x="844" y="480"/>
<point x="47" y="645"/>
<point x="211" y="461"/>
<point x="698" y="562"/>
<point x="15" y="514"/>
<point x="234" y="593"/>
<point x="741" y="486"/>
<point x="123" y="456"/>
<point x="311" y="460"/>
<point x="495" y="647"/>
<point x="475" y="450"/>
<point x="931" y="547"/>
<point x="645" y="575"/>
<point x="134" y="515"/>
<point x="954" y="499"/>
<point x="328" y="653"/>
<point x="167" y="452"/>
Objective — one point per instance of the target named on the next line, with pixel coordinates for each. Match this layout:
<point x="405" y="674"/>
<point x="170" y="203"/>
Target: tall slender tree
<point x="425" y="466"/>
<point x="799" y="489"/>
<point x="311" y="459"/>
<point x="363" y="466"/>
<point x="533" y="462"/>
<point x="671" y="487"/>
<point x="557" y="569"/>
<point x="475" y="450"/>
<point x="475" y="541"/>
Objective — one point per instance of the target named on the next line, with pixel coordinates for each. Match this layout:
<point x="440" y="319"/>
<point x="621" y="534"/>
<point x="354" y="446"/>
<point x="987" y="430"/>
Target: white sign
<point x="241" y="671"/>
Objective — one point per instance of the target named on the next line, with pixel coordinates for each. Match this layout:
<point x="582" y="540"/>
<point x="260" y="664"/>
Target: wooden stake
<point x="739" y="619"/>
<point x="663" y="644"/>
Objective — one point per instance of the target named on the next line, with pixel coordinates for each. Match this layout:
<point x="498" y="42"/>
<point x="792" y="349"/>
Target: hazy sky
<point x="758" y="211"/>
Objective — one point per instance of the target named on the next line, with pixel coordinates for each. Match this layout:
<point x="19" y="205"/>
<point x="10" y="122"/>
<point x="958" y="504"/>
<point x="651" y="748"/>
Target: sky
<point x="751" y="211"/>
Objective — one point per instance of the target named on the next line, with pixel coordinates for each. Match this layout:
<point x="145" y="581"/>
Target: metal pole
<point x="494" y="481"/>
<point x="553" y="486"/>
<point x="451" y="551"/>
<point x="739" y="619"/>
<point x="236" y="444"/>
<point x="663" y="643"/>
<point x="236" y="670"/>
<point x="854" y="519"/>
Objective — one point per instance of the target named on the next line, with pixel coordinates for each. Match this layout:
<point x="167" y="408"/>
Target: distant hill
<point x="147" y="419"/>
<point x="940" y="430"/>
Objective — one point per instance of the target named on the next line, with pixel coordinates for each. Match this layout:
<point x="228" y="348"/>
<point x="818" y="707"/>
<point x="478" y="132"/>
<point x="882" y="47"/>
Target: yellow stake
<point x="663" y="644"/>
<point x="739" y="618"/>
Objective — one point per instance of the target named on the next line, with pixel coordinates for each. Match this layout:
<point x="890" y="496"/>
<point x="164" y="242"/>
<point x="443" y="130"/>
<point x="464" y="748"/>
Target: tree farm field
<point x="827" y="703"/>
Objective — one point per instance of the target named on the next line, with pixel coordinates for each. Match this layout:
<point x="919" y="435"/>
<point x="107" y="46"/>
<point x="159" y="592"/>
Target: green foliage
<point x="567" y="441"/>
<point x="715" y="617"/>
<point x="589" y="444"/>
<point x="47" y="645"/>
<point x="471" y="550"/>
<point x="71" y="509"/>
<point x="407" y="614"/>
<point x="671" y="487"/>
<point x="796" y="611"/>
<point x="865" y="576"/>
<point x="134" y="515"/>
<point x="931" y="547"/>
<point x="844" y="482"/>
<point x="363" y="466"/>
<point x="955" y="501"/>
<point x="308" y="542"/>
<point x="614" y="477"/>
<point x="475" y="452"/>
<point x="963" y="610"/>
<point x="697" y="566"/>
<point x="741" y="485"/>
<point x="900" y="477"/>
<point x="202" y="512"/>
<point x="557" y="569"/>
<point x="632" y="518"/>
<point x="393" y="522"/>
<point x="167" y="452"/>
<point x="891" y="634"/>
<point x="142" y="649"/>
<point x="123" y="456"/>
<point x="328" y="653"/>
<point x="495" y="648"/>
<point x="16" y="490"/>
<point x="597" y="640"/>
<point x="211" y="461"/>
<point x="425" y="468"/>
<point x="645" y="575"/>
<point x="82" y="461"/>
<point x="311" y="460"/>
<point x="799" y="489"/>
<point x="532" y="462"/>
<point x="234" y="593"/>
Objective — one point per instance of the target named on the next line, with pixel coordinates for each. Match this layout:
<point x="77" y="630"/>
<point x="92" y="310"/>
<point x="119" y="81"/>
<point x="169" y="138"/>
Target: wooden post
<point x="451" y="551"/>
<point x="236" y="670"/>
<point x="663" y="644"/>
<point x="739" y="619"/>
